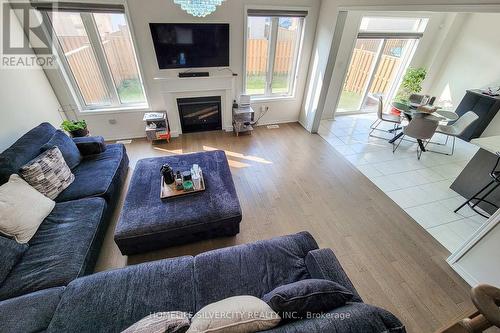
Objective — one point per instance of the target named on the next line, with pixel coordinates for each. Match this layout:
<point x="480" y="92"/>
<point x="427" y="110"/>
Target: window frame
<point x="268" y="94"/>
<point x="97" y="47"/>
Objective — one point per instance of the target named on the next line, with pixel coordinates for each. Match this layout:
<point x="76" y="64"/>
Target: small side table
<point x="242" y="120"/>
<point x="157" y="126"/>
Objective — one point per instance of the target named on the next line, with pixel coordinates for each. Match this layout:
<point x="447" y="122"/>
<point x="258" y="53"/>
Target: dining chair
<point x="422" y="129"/>
<point x="456" y="129"/>
<point x="381" y="117"/>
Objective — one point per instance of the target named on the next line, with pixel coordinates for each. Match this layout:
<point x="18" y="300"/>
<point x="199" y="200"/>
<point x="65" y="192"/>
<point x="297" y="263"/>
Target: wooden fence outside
<point x="86" y="71"/>
<point x="358" y="73"/>
<point x="257" y="53"/>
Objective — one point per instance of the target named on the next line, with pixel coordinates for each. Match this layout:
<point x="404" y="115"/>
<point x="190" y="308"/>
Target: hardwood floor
<point x="288" y="181"/>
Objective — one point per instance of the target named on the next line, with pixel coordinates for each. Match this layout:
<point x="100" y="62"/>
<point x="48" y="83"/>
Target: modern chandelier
<point x="199" y="8"/>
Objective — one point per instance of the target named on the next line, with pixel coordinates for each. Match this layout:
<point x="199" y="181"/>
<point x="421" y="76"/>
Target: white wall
<point x="471" y="62"/>
<point x="129" y="124"/>
<point x="26" y="100"/>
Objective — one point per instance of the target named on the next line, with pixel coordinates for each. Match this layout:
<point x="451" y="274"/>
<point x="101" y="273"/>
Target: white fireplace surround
<point x="174" y="87"/>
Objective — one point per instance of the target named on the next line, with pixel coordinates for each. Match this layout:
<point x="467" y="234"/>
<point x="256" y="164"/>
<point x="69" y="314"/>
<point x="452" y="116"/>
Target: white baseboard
<point x="175" y="134"/>
<point x="124" y="137"/>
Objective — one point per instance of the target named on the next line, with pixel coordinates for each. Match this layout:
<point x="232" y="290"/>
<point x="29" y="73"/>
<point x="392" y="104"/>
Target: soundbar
<point x="193" y="74"/>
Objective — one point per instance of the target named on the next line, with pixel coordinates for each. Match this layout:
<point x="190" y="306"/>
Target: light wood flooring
<point x="288" y="181"/>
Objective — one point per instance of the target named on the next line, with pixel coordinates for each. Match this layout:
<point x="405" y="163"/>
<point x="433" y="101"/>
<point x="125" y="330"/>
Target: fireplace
<point x="200" y="114"/>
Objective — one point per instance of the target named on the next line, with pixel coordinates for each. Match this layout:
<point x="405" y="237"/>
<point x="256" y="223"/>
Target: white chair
<point x="421" y="128"/>
<point x="387" y="117"/>
<point x="456" y="129"/>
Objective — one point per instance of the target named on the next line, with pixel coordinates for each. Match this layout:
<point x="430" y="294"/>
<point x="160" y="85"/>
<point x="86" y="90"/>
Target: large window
<point x="98" y="54"/>
<point x="272" y="52"/>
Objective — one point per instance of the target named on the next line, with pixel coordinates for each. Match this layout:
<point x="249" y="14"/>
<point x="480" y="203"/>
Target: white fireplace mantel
<point x="217" y="85"/>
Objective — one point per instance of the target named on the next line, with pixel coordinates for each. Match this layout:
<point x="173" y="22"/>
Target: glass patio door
<point x="392" y="62"/>
<point x="376" y="68"/>
<point x="383" y="50"/>
<point x="359" y="74"/>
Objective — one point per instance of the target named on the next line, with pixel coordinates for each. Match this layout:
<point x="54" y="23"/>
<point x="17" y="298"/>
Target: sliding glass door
<point x="376" y="68"/>
<point x="382" y="52"/>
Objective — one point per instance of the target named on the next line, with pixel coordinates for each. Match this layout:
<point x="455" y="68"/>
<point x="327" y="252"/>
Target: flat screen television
<point x="186" y="45"/>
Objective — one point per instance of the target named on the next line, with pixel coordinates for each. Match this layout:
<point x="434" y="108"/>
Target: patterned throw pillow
<point x="48" y="173"/>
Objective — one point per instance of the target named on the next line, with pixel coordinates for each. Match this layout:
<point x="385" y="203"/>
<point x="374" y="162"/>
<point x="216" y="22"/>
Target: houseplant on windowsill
<point x="411" y="84"/>
<point x="76" y="128"/>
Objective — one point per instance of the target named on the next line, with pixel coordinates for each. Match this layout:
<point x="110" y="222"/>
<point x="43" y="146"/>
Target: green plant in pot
<point x="76" y="128"/>
<point x="411" y="84"/>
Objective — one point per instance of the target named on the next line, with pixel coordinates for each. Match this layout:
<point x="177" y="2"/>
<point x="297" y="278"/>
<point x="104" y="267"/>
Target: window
<point x="97" y="52"/>
<point x="272" y="52"/>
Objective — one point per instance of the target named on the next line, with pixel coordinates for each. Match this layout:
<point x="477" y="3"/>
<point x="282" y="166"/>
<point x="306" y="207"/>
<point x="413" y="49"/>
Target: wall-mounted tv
<point x="186" y="45"/>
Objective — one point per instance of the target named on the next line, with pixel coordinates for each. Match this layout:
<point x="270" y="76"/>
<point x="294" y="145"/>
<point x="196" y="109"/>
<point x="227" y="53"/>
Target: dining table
<point x="440" y="115"/>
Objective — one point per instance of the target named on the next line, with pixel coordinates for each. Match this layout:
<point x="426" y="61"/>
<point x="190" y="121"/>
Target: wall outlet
<point x="112" y="121"/>
<point x="263" y="108"/>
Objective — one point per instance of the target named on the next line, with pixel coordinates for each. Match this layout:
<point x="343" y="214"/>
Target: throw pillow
<point x="161" y="322"/>
<point x="48" y="173"/>
<point x="296" y="299"/>
<point x="239" y="314"/>
<point x="11" y="252"/>
<point x="68" y="148"/>
<point x="22" y="209"/>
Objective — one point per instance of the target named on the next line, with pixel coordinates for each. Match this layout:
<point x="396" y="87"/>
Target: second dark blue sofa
<point x="67" y="243"/>
<point x="113" y="300"/>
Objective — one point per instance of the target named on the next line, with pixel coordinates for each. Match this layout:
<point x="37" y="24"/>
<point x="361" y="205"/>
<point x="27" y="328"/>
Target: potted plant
<point x="411" y="84"/>
<point x="76" y="128"/>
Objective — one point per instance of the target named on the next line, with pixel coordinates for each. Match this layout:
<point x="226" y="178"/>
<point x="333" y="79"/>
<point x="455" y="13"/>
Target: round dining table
<point x="438" y="115"/>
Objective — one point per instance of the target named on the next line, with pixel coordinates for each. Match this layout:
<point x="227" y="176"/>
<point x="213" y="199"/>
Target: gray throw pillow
<point x="296" y="300"/>
<point x="161" y="322"/>
<point x="48" y="173"/>
<point x="67" y="146"/>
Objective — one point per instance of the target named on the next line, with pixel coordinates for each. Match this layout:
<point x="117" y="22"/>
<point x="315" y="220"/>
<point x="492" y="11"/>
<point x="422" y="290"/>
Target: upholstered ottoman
<point x="149" y="223"/>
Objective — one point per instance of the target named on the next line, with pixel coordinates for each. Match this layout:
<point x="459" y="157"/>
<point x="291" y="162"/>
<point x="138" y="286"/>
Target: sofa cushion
<point x="113" y="300"/>
<point x="307" y="296"/>
<point x="11" y="252"/>
<point x="48" y="173"/>
<point x="353" y="317"/>
<point x="251" y="269"/>
<point x="29" y="313"/>
<point x="24" y="150"/>
<point x="98" y="175"/>
<point x="60" y="251"/>
<point x="68" y="148"/>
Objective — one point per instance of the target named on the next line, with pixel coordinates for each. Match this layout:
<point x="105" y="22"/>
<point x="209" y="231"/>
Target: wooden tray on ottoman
<point x="167" y="192"/>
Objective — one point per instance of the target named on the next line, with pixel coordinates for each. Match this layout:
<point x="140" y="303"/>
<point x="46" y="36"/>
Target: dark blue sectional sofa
<point x="68" y="241"/>
<point x="113" y="300"/>
<point x="50" y="289"/>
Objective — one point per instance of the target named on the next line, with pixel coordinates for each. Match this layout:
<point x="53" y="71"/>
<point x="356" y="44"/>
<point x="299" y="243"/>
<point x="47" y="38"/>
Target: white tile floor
<point x="420" y="187"/>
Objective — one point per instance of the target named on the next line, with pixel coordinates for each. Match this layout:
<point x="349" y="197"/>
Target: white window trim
<point x="105" y="71"/>
<point x="268" y="96"/>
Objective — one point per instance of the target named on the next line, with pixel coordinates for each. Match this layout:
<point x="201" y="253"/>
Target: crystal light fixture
<point x="199" y="8"/>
